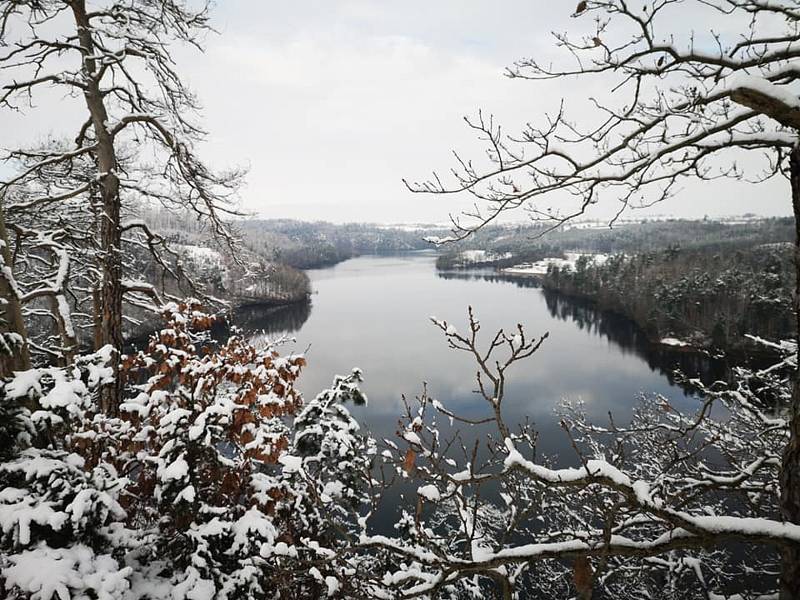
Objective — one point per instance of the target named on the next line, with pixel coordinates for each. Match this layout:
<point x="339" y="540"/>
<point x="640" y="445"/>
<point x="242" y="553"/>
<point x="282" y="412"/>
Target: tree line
<point x="311" y="245"/>
<point x="704" y="297"/>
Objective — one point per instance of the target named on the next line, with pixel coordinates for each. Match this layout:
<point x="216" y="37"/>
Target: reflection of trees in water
<point x="273" y="319"/>
<point x="253" y="319"/>
<point x="493" y="276"/>
<point x="632" y="340"/>
<point x="623" y="332"/>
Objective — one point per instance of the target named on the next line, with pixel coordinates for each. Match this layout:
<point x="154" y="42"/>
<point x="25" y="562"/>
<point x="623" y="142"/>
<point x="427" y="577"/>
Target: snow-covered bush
<point x="62" y="526"/>
<point x="326" y="438"/>
<point x="202" y="487"/>
<point x="206" y="423"/>
<point x="328" y="475"/>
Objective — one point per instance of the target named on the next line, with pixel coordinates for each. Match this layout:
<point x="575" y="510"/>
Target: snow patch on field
<point x="481" y="256"/>
<point x="671" y="341"/>
<point x="540" y="267"/>
<point x="199" y="254"/>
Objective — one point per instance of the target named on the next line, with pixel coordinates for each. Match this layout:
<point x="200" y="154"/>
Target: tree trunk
<point x="110" y="228"/>
<point x="583" y="575"/>
<point x="97" y="317"/>
<point x="69" y="343"/>
<point x="19" y="358"/>
<point x="111" y="291"/>
<point x="790" y="467"/>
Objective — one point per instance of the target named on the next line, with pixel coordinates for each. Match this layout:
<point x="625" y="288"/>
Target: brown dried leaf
<point x="409" y="460"/>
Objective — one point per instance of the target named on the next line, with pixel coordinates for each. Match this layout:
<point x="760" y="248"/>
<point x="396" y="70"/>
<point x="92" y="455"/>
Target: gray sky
<point x="331" y="102"/>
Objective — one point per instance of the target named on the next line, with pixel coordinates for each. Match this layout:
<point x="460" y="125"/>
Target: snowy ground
<point x="540" y="267"/>
<point x="199" y="254"/>
<point x="481" y="256"/>
<point x="671" y="341"/>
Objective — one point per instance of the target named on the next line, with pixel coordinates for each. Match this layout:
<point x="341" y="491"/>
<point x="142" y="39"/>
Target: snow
<point x="19" y="511"/>
<point x="291" y="464"/>
<point x="332" y="584"/>
<point x="252" y="522"/>
<point x="279" y="549"/>
<point x="64" y="313"/>
<point x="461" y="476"/>
<point x="439" y="241"/>
<point x="176" y="470"/>
<point x="194" y="587"/>
<point x="712" y="524"/>
<point x="412" y="438"/>
<point x="742" y="80"/>
<point x="8" y="275"/>
<point x="420" y="554"/>
<point x="671" y="341"/>
<point x="593" y="468"/>
<point x="473" y="255"/>
<point x="482" y="256"/>
<point x="64" y="394"/>
<point x="333" y="489"/>
<point x="64" y="573"/>
<point x="540" y="267"/>
<point x="187" y="494"/>
<point x="24" y="383"/>
<point x="200" y="254"/>
<point x="429" y="492"/>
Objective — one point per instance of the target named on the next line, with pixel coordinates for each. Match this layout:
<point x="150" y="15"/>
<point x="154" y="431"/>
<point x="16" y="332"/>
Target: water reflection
<point x="273" y="320"/>
<point x="373" y="313"/>
<point x="632" y="340"/>
<point x="619" y="330"/>
<point x="492" y="276"/>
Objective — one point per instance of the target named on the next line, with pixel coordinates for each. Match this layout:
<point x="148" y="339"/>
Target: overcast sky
<point x="332" y="102"/>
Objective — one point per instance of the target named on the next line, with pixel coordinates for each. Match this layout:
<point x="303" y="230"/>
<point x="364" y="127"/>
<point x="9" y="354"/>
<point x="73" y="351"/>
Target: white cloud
<point x="332" y="103"/>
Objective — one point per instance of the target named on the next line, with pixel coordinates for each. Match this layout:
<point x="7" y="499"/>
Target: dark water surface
<point x="373" y="313"/>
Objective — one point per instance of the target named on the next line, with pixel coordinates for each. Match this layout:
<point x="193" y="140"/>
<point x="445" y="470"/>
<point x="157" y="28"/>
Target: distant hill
<point x="307" y="245"/>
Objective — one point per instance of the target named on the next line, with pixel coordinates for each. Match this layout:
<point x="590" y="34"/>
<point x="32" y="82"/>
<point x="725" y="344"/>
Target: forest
<point x="196" y="465"/>
<point x="306" y="245"/>
<point x="706" y="284"/>
<point x="702" y="298"/>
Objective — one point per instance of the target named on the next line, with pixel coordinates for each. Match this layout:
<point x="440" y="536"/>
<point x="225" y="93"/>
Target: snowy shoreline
<point x="540" y="267"/>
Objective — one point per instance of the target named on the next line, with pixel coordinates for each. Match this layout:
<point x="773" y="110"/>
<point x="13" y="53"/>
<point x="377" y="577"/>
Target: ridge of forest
<point x="703" y="284"/>
<point x="310" y="245"/>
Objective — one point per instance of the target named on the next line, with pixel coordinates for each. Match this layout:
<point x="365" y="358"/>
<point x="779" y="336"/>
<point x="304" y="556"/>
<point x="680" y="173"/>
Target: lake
<point x="373" y="313"/>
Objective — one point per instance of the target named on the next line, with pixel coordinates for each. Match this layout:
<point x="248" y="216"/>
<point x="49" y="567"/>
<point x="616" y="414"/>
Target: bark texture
<point x="12" y="321"/>
<point x="110" y="228"/>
